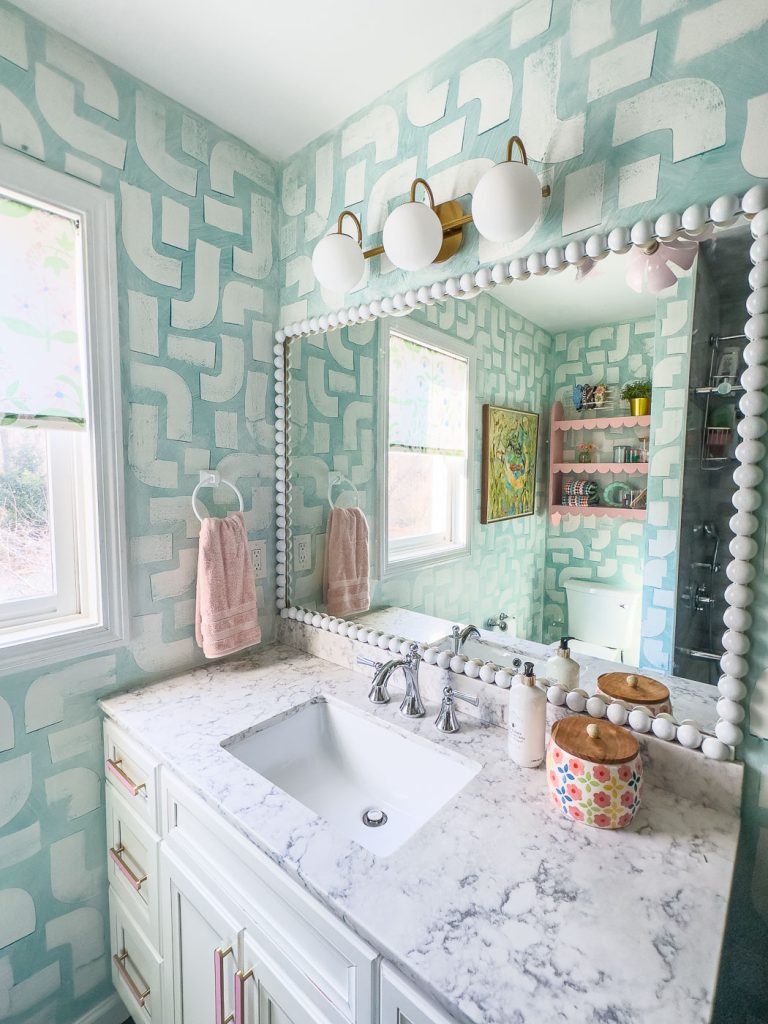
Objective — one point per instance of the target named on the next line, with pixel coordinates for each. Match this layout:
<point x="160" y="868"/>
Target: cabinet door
<point x="403" y="1003"/>
<point x="202" y="942"/>
<point x="264" y="996"/>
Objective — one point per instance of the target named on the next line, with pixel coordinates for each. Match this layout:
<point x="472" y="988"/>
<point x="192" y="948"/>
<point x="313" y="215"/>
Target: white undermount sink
<point x="341" y="764"/>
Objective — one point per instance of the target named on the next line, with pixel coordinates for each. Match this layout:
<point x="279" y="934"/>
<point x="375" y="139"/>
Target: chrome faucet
<point x="460" y="636"/>
<point x="500" y="622"/>
<point x="411" y="706"/>
<point x="446" y="720"/>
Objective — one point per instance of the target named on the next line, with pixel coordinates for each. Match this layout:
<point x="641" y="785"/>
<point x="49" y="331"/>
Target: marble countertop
<point x="505" y="912"/>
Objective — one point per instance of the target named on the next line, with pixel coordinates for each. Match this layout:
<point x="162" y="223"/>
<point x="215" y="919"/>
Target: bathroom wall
<point x="335" y="410"/>
<point x="197" y="293"/>
<point x="629" y="110"/>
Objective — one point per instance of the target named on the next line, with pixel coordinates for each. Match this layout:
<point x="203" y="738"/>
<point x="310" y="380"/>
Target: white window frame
<point x="422" y="334"/>
<point x="101" y="524"/>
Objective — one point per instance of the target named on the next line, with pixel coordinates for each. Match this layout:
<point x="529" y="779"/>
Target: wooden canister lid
<point x="594" y="739"/>
<point x="633" y="688"/>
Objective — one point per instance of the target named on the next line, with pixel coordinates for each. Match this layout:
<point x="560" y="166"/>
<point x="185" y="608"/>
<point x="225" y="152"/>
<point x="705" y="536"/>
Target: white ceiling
<point x="558" y="302"/>
<point x="275" y="74"/>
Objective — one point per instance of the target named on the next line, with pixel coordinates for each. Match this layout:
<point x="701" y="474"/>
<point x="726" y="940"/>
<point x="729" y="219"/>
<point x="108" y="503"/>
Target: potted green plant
<point x="638" y="394"/>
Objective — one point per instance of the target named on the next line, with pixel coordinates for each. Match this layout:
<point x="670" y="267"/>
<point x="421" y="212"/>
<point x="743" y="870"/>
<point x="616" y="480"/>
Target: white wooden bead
<point x="596" y="707"/>
<point x="395" y="644"/>
<point x="387" y="306"/>
<point x="280" y="336"/>
<point x="575" y="253"/>
<point x="746" y="499"/>
<point x="536" y="263"/>
<point x="458" y="663"/>
<point x="352" y="630"/>
<point x="725" y="209"/>
<point x="688" y="736"/>
<point x="639" y="720"/>
<point x="518" y="269"/>
<point x="732" y="688"/>
<point x="642" y="232"/>
<point x="334" y="626"/>
<point x="373" y="638"/>
<point x="758" y="251"/>
<point x="424" y="295"/>
<point x="668" y="225"/>
<point x="411" y="298"/>
<point x="576" y="700"/>
<point x="618" y="240"/>
<point x="695" y="218"/>
<point x="343" y="317"/>
<point x="488" y="672"/>
<point x="735" y="641"/>
<point x="333" y="321"/>
<point x="758" y="276"/>
<point x="499" y="274"/>
<point x="734" y="665"/>
<point x="376" y="308"/>
<point x="756" y="327"/>
<point x="503" y="678"/>
<point x="757" y="301"/>
<point x="743" y="548"/>
<point x="343" y="629"/>
<point x="483" y="278"/>
<point x="731" y="710"/>
<point x="743" y="524"/>
<point x="715" y="749"/>
<point x="556" y="695"/>
<point x="363" y="312"/>
<point x="756" y="352"/>
<point x="452" y="287"/>
<point x="617" y="713"/>
<point x="739" y="571"/>
<point x="291" y="613"/>
<point x="444" y="659"/>
<point x="728" y="733"/>
<point x="384" y="641"/>
<point x="323" y="322"/>
<point x="555" y="258"/>
<point x="750" y="451"/>
<point x="317" y="618"/>
<point x="472" y="668"/>
<point x="430" y="655"/>
<point x="597" y="247"/>
<point x="438" y="290"/>
<point x="755" y="200"/>
<point x="664" y="728"/>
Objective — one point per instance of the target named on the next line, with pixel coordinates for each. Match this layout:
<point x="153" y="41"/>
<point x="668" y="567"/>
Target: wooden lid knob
<point x="593" y="730"/>
<point x="632" y="681"/>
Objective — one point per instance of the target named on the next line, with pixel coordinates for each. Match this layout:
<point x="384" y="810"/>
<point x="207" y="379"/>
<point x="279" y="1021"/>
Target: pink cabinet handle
<point x="136" y="992"/>
<point x="240" y="980"/>
<point x="115" y="855"/>
<point x="219" y="956"/>
<point x="114" y="768"/>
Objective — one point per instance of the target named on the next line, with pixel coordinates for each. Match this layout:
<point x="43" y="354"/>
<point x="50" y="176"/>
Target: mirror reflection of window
<point x="427" y="451"/>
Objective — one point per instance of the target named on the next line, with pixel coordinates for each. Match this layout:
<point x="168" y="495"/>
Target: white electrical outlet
<point x="259" y="558"/>
<point x="302" y="552"/>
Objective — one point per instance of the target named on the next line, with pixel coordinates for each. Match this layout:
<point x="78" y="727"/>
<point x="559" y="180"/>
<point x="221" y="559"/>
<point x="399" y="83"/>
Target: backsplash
<point x="197" y="300"/>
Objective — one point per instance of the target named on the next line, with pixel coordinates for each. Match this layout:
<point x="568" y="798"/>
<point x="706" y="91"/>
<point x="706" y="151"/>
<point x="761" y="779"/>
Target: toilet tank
<point x="605" y="616"/>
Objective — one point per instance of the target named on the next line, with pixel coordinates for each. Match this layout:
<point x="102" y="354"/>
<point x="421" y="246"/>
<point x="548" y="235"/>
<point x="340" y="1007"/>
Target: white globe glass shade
<point x="413" y="236"/>
<point x="506" y="202"/>
<point x="338" y="262"/>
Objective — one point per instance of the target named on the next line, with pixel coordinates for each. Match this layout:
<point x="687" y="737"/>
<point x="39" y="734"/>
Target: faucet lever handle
<point x="370" y="662"/>
<point x="458" y="695"/>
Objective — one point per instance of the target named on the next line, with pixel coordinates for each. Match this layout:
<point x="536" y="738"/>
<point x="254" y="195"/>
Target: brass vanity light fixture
<point x="506" y="203"/>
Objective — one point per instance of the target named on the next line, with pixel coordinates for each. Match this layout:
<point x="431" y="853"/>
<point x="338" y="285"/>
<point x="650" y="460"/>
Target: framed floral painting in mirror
<point x="508" y="487"/>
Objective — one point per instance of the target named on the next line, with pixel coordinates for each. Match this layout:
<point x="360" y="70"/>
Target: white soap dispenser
<point x="527" y="720"/>
<point x="562" y="670"/>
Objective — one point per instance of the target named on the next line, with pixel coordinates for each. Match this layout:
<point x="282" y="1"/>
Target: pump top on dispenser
<point x="562" y="670"/>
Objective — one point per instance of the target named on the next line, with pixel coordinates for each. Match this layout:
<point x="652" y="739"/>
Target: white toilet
<point x="604" y="620"/>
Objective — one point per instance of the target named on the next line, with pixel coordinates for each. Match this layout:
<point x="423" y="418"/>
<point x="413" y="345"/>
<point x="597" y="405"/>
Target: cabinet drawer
<point x="136" y="967"/>
<point x="132" y="852"/>
<point x="403" y="1003"/>
<point x="327" y="963"/>
<point x="132" y="772"/>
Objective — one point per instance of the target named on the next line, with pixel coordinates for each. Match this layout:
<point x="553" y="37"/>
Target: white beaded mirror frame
<point x="724" y="212"/>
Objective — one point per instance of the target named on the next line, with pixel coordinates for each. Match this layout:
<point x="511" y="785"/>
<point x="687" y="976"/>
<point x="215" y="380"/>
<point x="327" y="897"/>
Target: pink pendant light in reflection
<point x="649" y="268"/>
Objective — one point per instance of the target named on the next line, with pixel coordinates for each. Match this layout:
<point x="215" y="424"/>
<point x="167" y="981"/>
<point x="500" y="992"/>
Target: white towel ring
<point x="213" y="478"/>
<point x="339" y="478"/>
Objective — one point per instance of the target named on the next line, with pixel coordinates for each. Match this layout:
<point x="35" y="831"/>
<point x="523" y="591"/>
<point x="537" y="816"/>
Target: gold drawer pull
<point x="116" y="856"/>
<point x="240" y="980"/>
<point x="124" y="780"/>
<point x="219" y="956"/>
<point x="120" y="964"/>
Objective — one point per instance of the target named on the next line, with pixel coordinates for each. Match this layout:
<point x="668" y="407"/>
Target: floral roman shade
<point x="41" y="379"/>
<point x="427" y="398"/>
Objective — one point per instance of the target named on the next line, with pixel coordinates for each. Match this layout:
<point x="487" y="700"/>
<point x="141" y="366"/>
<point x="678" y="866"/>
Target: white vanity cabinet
<point x="208" y="930"/>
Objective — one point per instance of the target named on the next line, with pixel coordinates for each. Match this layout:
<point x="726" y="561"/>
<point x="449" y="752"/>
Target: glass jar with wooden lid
<point x="594" y="771"/>
<point x="635" y="691"/>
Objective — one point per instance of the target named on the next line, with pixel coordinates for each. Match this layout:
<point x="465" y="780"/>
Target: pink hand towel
<point x="345" y="582"/>
<point x="226" y="615"/>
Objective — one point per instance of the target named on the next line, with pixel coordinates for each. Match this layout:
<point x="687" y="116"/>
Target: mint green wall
<point x="197" y="294"/>
<point x="630" y="108"/>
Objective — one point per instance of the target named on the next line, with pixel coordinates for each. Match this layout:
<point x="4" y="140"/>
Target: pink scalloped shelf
<point x="601" y="422"/>
<point x="603" y="511"/>
<point x="601" y="467"/>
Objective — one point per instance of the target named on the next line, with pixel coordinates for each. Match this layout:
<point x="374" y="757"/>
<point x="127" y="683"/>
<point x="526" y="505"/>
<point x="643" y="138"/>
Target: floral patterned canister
<point x="594" y="771"/>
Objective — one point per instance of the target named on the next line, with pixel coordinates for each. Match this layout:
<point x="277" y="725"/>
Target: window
<point x="61" y="551"/>
<point x="427" y="452"/>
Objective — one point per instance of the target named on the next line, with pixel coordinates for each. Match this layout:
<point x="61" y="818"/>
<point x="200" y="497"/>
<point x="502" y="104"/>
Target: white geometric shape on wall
<point x="257" y="262"/>
<point x="754" y="152"/>
<point x="194" y="351"/>
<point x="378" y="127"/>
<point x="529" y="21"/>
<point x="17" y="915"/>
<point x="34" y="989"/>
<point x="639" y="181"/>
<point x="15" y="786"/>
<point x="72" y="880"/>
<point x="152" y="653"/>
<point x="718" y="24"/>
<point x="152" y="143"/>
<point x="13" y="40"/>
<point x="171" y="511"/>
<point x="194" y="138"/>
<point x="650" y="10"/>
<point x="75" y="740"/>
<point x="44" y="701"/>
<point x="6" y="726"/>
<point x="178" y="398"/>
<point x="298" y="271"/>
<point x="82" y="169"/>
<point x="80" y="787"/>
<point x="583" y="199"/>
<point x="693" y="109"/>
<point x="143" y="323"/>
<point x="354" y="183"/>
<point x="317" y="219"/>
<point x="222" y="387"/>
<point x="56" y="100"/>
<point x="225" y="429"/>
<point x="175" y="582"/>
<point x="624" y="65"/>
<point x="445" y="142"/>
<point x="255" y="399"/>
<point x="758" y="711"/>
<point x="19" y="846"/>
<point x="175" y="223"/>
<point x="199" y="311"/>
<point x="489" y="81"/>
<point x="547" y="138"/>
<point x="238" y="297"/>
<point x="228" y="159"/>
<point x="591" y="25"/>
<point x="294" y="195"/>
<point x="325" y="404"/>
<point x="18" y="128"/>
<point x="137" y="225"/>
<point x="425" y="103"/>
<point x="99" y="91"/>
<point x="143" y="429"/>
<point x="223" y="215"/>
<point x="353" y="414"/>
<point x="82" y="930"/>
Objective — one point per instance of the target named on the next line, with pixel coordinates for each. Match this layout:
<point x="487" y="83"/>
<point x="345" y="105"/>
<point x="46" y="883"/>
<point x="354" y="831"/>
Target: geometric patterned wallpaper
<point x="197" y="292"/>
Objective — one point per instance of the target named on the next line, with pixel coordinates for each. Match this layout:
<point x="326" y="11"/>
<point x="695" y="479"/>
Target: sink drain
<point x="374" y="817"/>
